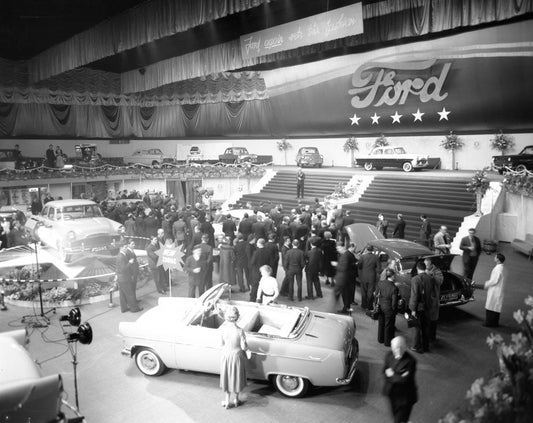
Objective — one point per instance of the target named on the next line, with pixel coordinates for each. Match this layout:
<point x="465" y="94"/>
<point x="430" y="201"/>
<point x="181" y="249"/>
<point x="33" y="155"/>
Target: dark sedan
<point x="518" y="162"/>
<point x="455" y="290"/>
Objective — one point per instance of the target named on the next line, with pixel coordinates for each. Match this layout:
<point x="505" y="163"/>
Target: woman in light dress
<point x="268" y="286"/>
<point x="233" y="359"/>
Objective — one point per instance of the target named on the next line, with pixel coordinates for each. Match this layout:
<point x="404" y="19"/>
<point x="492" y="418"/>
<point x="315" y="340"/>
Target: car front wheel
<point x="521" y="168"/>
<point x="291" y="386"/>
<point x="369" y="166"/>
<point x="149" y="363"/>
<point x="407" y="167"/>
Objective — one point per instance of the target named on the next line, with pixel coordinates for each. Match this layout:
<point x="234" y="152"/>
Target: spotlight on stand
<point x="73" y="317"/>
<point x="84" y="334"/>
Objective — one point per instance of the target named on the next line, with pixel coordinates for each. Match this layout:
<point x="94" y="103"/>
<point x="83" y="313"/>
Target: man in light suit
<point x="494" y="286"/>
<point x="471" y="247"/>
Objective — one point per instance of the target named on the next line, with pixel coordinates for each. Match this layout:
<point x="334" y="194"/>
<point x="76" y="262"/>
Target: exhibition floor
<point x="111" y="389"/>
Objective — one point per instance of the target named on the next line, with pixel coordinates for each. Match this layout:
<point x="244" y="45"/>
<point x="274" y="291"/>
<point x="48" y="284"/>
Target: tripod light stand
<point x="45" y="320"/>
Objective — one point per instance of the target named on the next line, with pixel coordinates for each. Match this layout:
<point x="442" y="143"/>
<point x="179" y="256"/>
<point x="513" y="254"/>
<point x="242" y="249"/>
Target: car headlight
<point x="71" y="235"/>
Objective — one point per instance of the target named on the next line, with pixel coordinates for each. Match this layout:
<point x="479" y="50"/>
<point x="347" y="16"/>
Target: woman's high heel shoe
<point x="225" y="404"/>
<point x="236" y="403"/>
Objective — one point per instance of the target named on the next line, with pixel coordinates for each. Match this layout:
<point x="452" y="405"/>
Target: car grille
<point x="94" y="241"/>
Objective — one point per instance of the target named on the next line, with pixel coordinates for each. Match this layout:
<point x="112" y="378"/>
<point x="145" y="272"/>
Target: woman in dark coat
<point x="227" y="262"/>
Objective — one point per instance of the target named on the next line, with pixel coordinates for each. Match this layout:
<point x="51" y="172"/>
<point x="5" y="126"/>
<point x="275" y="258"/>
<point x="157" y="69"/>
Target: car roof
<point x="400" y="248"/>
<point x="73" y="202"/>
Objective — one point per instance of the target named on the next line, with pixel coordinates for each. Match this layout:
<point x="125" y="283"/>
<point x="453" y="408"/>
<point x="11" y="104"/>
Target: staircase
<point x="445" y="201"/>
<point x="281" y="189"/>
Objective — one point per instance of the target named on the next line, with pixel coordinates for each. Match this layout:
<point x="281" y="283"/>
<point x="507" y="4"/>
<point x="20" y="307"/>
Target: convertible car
<point x="75" y="227"/>
<point x="388" y="156"/>
<point x="291" y="347"/>
<point x="455" y="290"/>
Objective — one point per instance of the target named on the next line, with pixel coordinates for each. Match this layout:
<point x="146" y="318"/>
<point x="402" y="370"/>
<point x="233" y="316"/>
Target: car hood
<point x="92" y="225"/>
<point x="400" y="248"/>
<point x="442" y="261"/>
<point x="361" y="234"/>
<point x="325" y="331"/>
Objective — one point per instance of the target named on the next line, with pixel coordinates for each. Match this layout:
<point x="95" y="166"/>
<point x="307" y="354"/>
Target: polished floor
<point x="111" y="389"/>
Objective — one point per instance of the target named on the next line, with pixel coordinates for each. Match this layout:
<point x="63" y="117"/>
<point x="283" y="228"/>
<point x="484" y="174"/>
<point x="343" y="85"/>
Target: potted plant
<point x="453" y="143"/>
<point x="351" y="146"/>
<point x="381" y="141"/>
<point x="284" y="145"/>
<point x="502" y="142"/>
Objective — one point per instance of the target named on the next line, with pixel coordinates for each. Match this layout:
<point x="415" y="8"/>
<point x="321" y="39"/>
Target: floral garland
<point x="479" y="183"/>
<point x="452" y="142"/>
<point x="506" y="396"/>
<point x="501" y="142"/>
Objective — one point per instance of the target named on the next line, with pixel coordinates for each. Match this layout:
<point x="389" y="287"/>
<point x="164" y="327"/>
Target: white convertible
<point x="292" y="347"/>
<point x="389" y="156"/>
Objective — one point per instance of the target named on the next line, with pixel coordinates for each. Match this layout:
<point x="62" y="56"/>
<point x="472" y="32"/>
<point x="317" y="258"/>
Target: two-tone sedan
<point x="455" y="289"/>
<point x="75" y="227"/>
<point x="292" y="347"/>
<point x="389" y="156"/>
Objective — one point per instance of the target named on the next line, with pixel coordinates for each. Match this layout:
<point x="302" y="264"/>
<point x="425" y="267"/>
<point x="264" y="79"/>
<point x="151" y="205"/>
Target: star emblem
<point x="418" y="115"/>
<point x="170" y="257"/>
<point x="355" y="119"/>
<point x="444" y="114"/>
<point x="396" y="117"/>
<point x="375" y="119"/>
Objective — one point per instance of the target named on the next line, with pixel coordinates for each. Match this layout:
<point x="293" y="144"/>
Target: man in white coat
<point x="494" y="286"/>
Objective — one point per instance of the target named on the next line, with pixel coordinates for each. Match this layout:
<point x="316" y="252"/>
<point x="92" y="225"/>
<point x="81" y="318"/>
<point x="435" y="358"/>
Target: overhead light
<point x="84" y="334"/>
<point x="73" y="317"/>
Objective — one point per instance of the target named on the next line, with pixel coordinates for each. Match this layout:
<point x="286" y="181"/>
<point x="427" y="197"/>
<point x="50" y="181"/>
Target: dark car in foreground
<point x="518" y="162"/>
<point x="455" y="290"/>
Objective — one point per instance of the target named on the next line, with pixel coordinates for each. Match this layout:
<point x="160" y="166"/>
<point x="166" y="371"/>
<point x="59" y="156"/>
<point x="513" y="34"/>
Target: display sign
<point x="170" y="258"/>
<point x="331" y="25"/>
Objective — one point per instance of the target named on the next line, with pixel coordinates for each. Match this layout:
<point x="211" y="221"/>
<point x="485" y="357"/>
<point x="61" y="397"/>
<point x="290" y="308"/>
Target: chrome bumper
<point x="353" y="367"/>
<point x="126" y="351"/>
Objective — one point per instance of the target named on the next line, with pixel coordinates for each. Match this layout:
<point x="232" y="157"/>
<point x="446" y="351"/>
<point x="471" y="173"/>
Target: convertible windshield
<point x="78" y="212"/>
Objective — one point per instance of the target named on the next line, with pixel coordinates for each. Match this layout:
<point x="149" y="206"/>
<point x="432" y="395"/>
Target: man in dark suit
<point x="259" y="228"/>
<point x="241" y="263"/>
<point x="368" y="275"/>
<point x="313" y="268"/>
<point x="294" y="262"/>
<point x="153" y="258"/>
<point x="425" y="231"/>
<point x="345" y="275"/>
<point x="420" y="304"/>
<point x="272" y="247"/>
<point x="399" y="227"/>
<point x="128" y="299"/>
<point x="207" y="258"/>
<point x="245" y="226"/>
<point x="134" y="265"/>
<point x="300" y="181"/>
<point x="260" y="257"/>
<point x="471" y="246"/>
<point x="400" y="387"/>
<point x="195" y="268"/>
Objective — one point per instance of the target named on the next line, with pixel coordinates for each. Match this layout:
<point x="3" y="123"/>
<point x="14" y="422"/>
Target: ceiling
<point x="28" y="27"/>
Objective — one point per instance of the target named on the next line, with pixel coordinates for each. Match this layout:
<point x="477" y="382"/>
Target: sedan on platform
<point x="75" y="227"/>
<point x="455" y="290"/>
<point x="309" y="156"/>
<point x="292" y="347"/>
<point x="388" y="156"/>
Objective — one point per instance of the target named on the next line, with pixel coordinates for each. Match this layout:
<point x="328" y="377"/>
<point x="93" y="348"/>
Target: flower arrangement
<point x="381" y="141"/>
<point x="452" y="142"/>
<point x="284" y="145"/>
<point x="507" y="395"/>
<point x="351" y="145"/>
<point x="479" y="183"/>
<point x="501" y="142"/>
<point x="520" y="183"/>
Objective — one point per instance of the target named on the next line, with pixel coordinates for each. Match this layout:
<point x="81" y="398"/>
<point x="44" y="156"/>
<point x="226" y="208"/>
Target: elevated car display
<point x="455" y="290"/>
<point x="149" y="157"/>
<point x="518" y="162"/>
<point x="388" y="156"/>
<point x="309" y="156"/>
<point x="74" y="227"/>
<point x="292" y="347"/>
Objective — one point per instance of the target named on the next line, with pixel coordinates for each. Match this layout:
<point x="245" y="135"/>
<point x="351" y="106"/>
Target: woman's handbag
<point x="412" y="321"/>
